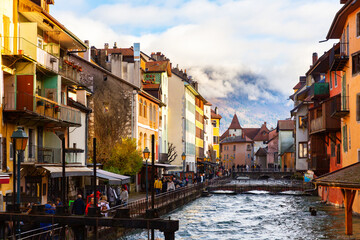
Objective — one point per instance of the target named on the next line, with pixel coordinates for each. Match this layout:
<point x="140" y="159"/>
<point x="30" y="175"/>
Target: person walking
<point x="157" y="185"/>
<point x="78" y="206"/>
<point x="104" y="206"/>
<point x="170" y="185"/>
<point x="124" y="196"/>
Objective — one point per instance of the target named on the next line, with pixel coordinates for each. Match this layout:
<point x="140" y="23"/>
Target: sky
<point x="247" y="55"/>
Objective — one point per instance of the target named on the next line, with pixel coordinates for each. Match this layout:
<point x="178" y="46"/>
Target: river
<point x="258" y="216"/>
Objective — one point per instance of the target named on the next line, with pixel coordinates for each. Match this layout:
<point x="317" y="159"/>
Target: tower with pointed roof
<point x="235" y="128"/>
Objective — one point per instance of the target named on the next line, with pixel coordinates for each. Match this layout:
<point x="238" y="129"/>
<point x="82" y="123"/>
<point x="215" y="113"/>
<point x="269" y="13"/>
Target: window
<point x="11" y="151"/>
<point x="303" y="150"/>
<point x="358" y="107"/>
<point x="145" y="109"/>
<point x="248" y="148"/>
<point x="332" y="149"/>
<point x="234" y="147"/>
<point x="213" y="122"/>
<point x="330" y="81"/>
<point x="345" y="139"/>
<point x="358" y="155"/>
<point x="335" y="79"/>
<point x="140" y="140"/>
<point x="151" y="117"/>
<point x="216" y="140"/>
<point x="145" y="140"/>
<point x="140" y="107"/>
<point x="338" y="153"/>
<point x="358" y="24"/>
<point x="356" y="63"/>
<point x="302" y="121"/>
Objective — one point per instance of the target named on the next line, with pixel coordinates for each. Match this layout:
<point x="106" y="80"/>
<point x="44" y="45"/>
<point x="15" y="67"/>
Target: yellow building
<point x="199" y="123"/>
<point x="215" y="121"/>
<point x="37" y="79"/>
<point x="346" y="28"/>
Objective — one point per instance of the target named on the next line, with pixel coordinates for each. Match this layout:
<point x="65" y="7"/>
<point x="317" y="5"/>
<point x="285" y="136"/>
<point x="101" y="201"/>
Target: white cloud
<point x="273" y="40"/>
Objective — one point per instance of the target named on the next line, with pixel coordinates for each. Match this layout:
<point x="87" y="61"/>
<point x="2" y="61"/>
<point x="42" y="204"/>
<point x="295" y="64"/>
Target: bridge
<point x="272" y="186"/>
<point x="263" y="174"/>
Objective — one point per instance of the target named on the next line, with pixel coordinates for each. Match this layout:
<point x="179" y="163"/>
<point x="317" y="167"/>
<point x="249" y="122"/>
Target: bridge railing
<point x="290" y="170"/>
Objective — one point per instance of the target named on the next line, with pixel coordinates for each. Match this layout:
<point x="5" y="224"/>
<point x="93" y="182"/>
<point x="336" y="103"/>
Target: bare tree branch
<point x="172" y="154"/>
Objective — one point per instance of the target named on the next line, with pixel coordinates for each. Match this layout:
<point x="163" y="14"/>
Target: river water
<point x="258" y="216"/>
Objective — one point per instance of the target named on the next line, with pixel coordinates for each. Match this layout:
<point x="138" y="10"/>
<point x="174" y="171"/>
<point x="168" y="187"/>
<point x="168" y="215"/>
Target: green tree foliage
<point x="125" y="158"/>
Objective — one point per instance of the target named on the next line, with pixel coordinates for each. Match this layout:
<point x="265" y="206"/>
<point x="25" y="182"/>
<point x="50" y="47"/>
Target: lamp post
<point x="146" y="154"/>
<point x="19" y="139"/>
<point x="183" y="157"/>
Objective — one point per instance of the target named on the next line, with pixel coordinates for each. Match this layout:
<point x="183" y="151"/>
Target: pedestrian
<point x="165" y="185"/>
<point x="58" y="202"/>
<point x="170" y="185"/>
<point x="104" y="206"/>
<point x="90" y="204"/>
<point x="157" y="185"/>
<point x="78" y="206"/>
<point x="124" y="196"/>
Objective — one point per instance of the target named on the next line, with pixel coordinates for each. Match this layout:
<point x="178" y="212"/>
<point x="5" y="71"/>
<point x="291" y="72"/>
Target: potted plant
<point x="39" y="103"/>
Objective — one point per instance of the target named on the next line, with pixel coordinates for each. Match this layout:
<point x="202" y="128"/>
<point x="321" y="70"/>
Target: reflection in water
<point x="258" y="216"/>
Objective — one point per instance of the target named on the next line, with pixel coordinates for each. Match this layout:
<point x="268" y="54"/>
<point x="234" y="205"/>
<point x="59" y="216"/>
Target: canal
<point x="258" y="216"/>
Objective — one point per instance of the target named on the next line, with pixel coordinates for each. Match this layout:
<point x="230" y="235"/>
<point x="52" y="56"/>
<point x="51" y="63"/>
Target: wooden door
<point x="24" y="94"/>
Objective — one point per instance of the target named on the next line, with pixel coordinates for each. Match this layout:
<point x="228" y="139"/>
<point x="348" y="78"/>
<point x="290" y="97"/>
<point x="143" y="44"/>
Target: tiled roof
<point x="151" y="86"/>
<point x="128" y="52"/>
<point x="285" y="125"/>
<point x="214" y="115"/>
<point x="347" y="177"/>
<point x="237" y="139"/>
<point x="157" y="66"/>
<point x="251" y="132"/>
<point x="261" y="152"/>
<point x="235" y="123"/>
<point x="224" y="135"/>
<point x="263" y="134"/>
<point x="298" y="85"/>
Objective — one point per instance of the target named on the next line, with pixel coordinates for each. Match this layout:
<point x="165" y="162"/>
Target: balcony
<point x="321" y="120"/>
<point x="339" y="106"/>
<point x="70" y="72"/>
<point x="25" y="107"/>
<point x="45" y="57"/>
<point x="320" y="90"/>
<point x="46" y="155"/>
<point x="320" y="164"/>
<point x="339" y="57"/>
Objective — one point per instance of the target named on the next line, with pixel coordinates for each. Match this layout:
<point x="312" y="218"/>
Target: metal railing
<point x="340" y="104"/>
<point x="42" y="106"/>
<point x="46" y="56"/>
<point x="42" y="154"/>
<point x="69" y="70"/>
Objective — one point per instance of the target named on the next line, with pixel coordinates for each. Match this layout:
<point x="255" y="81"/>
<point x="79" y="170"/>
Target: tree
<point x="112" y="117"/>
<point x="211" y="153"/>
<point x="125" y="158"/>
<point x="172" y="154"/>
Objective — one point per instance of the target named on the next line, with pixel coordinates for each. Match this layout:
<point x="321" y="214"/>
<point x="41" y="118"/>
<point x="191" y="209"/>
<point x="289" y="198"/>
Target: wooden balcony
<point x="320" y="90"/>
<point x="26" y="108"/>
<point x="321" y="120"/>
<point x="340" y="106"/>
<point x="69" y="72"/>
<point x="320" y="164"/>
<point x="339" y="57"/>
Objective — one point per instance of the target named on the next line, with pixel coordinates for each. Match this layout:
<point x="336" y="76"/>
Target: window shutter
<point x="4" y="154"/>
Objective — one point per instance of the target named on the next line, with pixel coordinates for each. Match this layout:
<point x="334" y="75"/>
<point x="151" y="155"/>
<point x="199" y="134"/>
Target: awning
<point x="56" y="172"/>
<point x="163" y="165"/>
<point x="345" y="178"/>
<point x="114" y="179"/>
<point x="4" y="178"/>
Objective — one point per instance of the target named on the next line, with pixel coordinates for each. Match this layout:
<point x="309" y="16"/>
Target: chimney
<point x="87" y="53"/>
<point x="114" y="45"/>
<point x="216" y="110"/>
<point x="265" y="124"/>
<point x="106" y="46"/>
<point x="343" y="1"/>
<point x="314" y="58"/>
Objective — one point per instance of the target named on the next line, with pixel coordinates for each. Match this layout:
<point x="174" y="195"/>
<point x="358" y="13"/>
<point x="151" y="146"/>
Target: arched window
<point x="140" y="107"/>
<point x="150" y="112"/>
<point x="154" y="113"/>
<point x="140" y="140"/>
<point x="145" y="109"/>
<point x="145" y="140"/>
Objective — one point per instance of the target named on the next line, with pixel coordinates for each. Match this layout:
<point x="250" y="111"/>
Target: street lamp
<point x="19" y="139"/>
<point x="146" y="154"/>
<point x="183" y="157"/>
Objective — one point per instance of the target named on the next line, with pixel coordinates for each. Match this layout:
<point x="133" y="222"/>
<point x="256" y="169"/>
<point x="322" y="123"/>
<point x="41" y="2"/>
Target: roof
<point x="347" y="177"/>
<point x="298" y="85"/>
<point x="158" y="66"/>
<point x="208" y="104"/>
<point x="261" y="152"/>
<point x="128" y="52"/>
<point x="251" y="132"/>
<point x="215" y="115"/>
<point x="235" y="123"/>
<point x="56" y="172"/>
<point x="321" y="65"/>
<point x="114" y="179"/>
<point x="236" y="139"/>
<point x="338" y="24"/>
<point x="263" y="134"/>
<point x="285" y="125"/>
<point x="151" y="97"/>
<point x="151" y="86"/>
<point x="224" y="135"/>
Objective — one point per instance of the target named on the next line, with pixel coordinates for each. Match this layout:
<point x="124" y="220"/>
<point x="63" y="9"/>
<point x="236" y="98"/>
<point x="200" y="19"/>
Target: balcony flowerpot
<point x="39" y="103"/>
<point x="47" y="105"/>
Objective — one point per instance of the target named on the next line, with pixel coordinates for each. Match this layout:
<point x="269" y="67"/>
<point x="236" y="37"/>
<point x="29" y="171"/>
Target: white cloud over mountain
<point x="217" y="41"/>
